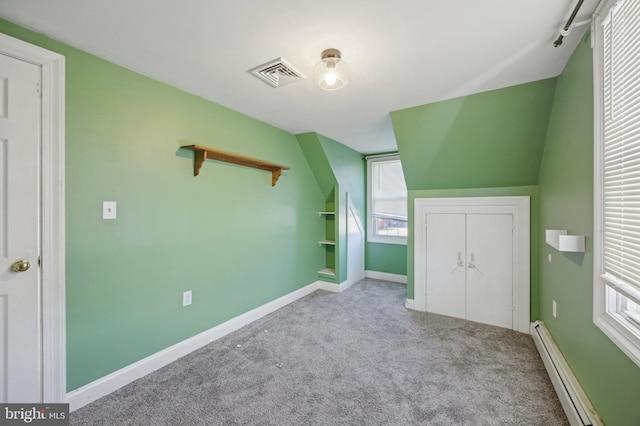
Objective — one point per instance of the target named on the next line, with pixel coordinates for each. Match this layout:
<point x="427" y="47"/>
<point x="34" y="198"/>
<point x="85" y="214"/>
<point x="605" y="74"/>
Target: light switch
<point x="187" y="298"/>
<point x="108" y="209"/>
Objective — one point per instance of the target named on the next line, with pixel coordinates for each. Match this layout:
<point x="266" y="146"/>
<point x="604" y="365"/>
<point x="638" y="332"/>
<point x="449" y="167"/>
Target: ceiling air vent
<point x="277" y="73"/>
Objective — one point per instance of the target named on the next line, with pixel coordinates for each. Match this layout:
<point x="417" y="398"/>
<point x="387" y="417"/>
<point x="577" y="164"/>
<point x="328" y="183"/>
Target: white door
<point x="490" y="269"/>
<point x="446" y="272"/>
<point x="514" y="232"/>
<point x="20" y="305"/>
<point x="470" y="266"/>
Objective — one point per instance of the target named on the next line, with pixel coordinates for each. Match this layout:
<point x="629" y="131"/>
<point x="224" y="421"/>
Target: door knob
<point x="21" y="265"/>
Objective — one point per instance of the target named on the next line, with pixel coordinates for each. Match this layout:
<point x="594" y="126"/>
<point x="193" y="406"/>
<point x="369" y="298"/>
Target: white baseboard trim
<point x="334" y="288"/>
<point x="576" y="405"/>
<point x="105" y="385"/>
<point x="386" y="276"/>
<point x="410" y="304"/>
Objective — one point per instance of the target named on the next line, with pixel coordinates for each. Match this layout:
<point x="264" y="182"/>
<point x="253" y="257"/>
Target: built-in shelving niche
<point x="328" y="215"/>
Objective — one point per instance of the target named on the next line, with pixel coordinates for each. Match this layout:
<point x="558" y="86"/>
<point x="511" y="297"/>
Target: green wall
<point x="349" y="168"/>
<point x="388" y="258"/>
<point x="227" y="235"/>
<point x="491" y="139"/>
<point x="610" y="378"/>
<point x="340" y="168"/>
<point x="320" y="165"/>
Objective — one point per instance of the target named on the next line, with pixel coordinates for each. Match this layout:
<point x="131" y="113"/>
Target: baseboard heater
<point x="576" y="405"/>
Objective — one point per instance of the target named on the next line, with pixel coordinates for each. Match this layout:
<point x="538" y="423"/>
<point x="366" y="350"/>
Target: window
<point x="617" y="174"/>
<point x="387" y="200"/>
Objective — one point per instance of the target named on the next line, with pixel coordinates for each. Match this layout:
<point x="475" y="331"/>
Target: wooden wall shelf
<point x="201" y="153"/>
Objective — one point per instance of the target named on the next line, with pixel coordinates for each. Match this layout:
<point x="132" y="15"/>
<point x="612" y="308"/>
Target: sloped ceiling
<point x="401" y="54"/>
<point x="490" y="139"/>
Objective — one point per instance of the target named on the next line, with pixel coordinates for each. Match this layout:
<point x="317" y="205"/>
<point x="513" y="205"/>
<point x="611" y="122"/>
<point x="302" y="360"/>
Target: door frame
<point x="518" y="206"/>
<point x="52" y="187"/>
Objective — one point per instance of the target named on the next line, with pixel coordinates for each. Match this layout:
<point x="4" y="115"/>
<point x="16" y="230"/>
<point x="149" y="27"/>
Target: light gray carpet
<point x="356" y="358"/>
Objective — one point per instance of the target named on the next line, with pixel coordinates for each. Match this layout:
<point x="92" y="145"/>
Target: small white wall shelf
<point x="561" y="241"/>
<point x="572" y="243"/>
<point x="552" y="237"/>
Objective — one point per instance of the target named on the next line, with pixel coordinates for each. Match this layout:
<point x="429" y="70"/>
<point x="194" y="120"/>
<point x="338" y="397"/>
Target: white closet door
<point x="490" y="269"/>
<point x="446" y="264"/>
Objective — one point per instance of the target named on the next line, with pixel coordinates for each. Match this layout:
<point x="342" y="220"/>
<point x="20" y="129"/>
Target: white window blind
<point x="386" y="200"/>
<point x="388" y="190"/>
<point x="621" y="153"/>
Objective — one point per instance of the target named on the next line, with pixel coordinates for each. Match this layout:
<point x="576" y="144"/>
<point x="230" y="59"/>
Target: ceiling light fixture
<point x="331" y="73"/>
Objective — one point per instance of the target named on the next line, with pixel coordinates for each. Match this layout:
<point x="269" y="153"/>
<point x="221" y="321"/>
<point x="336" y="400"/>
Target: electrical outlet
<point x="555" y="308"/>
<point x="186" y="298"/>
<point x="108" y="209"/>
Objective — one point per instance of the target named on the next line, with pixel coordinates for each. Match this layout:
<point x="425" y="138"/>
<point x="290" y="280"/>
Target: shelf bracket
<point x="275" y="175"/>
<point x="198" y="161"/>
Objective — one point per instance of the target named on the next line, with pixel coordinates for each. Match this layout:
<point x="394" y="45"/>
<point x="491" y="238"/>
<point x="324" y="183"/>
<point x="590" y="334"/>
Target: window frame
<point x="371" y="237"/>
<point x="621" y="330"/>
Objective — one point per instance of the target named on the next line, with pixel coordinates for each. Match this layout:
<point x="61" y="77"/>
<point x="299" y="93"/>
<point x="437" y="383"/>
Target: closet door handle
<point x="472" y="264"/>
<point x="459" y="264"/>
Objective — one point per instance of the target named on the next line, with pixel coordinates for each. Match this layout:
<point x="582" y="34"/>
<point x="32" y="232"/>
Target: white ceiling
<point x="402" y="53"/>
